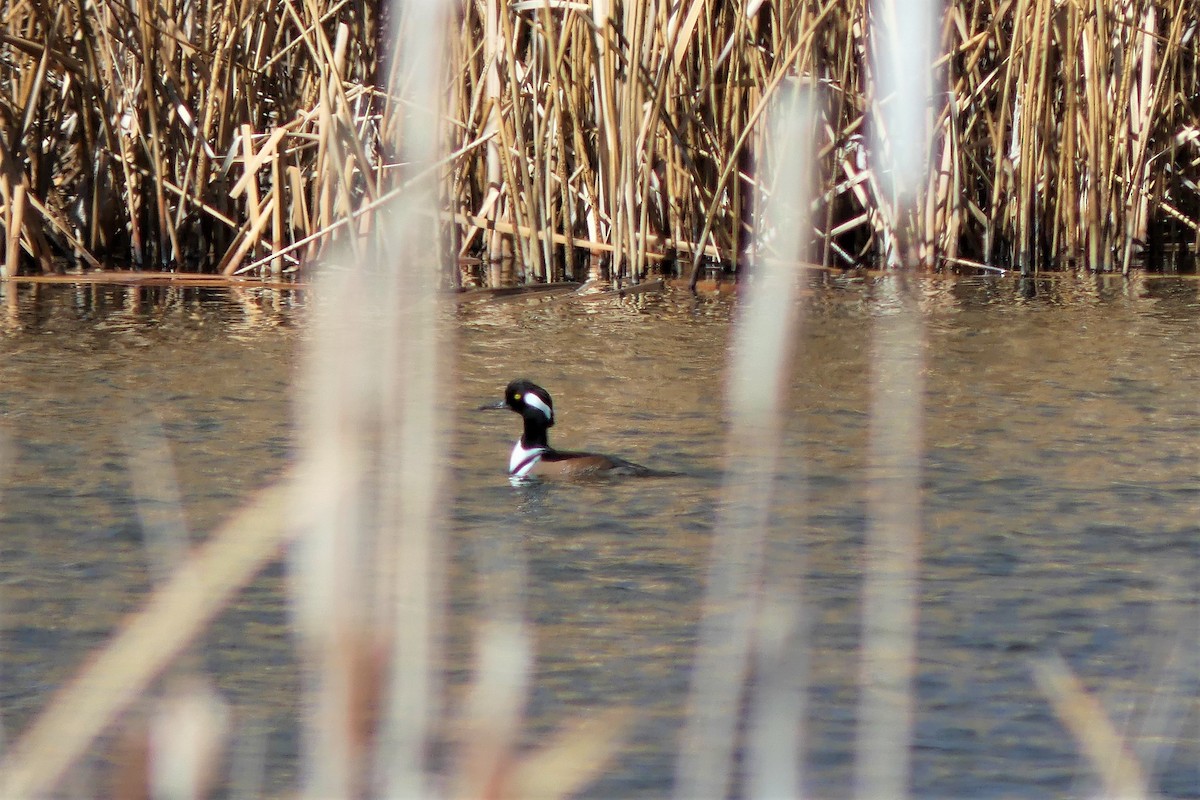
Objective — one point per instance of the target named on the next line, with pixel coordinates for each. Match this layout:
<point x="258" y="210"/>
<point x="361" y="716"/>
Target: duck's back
<point x="566" y="464"/>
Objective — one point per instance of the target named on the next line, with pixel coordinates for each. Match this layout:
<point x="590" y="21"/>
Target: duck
<point x="532" y="456"/>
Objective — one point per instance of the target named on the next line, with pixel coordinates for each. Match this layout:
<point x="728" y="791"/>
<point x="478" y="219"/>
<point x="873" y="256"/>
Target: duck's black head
<point x="530" y="401"/>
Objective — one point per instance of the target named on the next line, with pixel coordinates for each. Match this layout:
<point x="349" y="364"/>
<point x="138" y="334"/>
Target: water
<point x="92" y="380"/>
<point x="1060" y="501"/>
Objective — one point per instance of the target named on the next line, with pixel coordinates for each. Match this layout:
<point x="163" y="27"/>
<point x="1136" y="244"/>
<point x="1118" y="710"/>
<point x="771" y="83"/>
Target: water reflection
<point x="132" y="309"/>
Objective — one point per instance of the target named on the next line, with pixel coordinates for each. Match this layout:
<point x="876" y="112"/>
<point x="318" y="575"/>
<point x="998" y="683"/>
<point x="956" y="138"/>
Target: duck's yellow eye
<point x="517" y="396"/>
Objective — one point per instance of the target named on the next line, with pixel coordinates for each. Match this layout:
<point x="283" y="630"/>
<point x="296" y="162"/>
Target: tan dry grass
<point x="584" y="136"/>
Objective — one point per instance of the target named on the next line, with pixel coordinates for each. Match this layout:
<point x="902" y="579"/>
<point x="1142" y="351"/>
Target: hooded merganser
<point x="532" y="456"/>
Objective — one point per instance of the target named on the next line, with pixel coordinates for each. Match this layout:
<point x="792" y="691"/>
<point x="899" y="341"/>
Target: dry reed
<point x="602" y="137"/>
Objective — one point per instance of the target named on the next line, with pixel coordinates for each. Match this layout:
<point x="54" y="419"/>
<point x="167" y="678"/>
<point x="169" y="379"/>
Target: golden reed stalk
<point x="215" y="137"/>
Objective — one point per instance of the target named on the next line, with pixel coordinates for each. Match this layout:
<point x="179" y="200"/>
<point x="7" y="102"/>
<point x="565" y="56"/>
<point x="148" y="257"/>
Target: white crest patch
<point x="522" y="460"/>
<point x="540" y="404"/>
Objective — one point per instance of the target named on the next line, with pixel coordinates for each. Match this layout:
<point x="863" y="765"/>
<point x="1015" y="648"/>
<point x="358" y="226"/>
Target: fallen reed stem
<point x="1119" y="771"/>
<point x="147" y="643"/>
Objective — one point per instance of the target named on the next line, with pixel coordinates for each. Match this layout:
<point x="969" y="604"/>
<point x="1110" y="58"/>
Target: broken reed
<point x="248" y="137"/>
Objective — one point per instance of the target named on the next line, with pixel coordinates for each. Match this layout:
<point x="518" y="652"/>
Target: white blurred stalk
<point x="885" y="711"/>
<point x="329" y="515"/>
<point x="492" y="713"/>
<point x="419" y="396"/>
<point x="156" y="495"/>
<point x="369" y="562"/>
<point x="735" y="620"/>
<point x="187" y="736"/>
<point x="902" y="66"/>
<point x="775" y="736"/>
<point x="902" y="47"/>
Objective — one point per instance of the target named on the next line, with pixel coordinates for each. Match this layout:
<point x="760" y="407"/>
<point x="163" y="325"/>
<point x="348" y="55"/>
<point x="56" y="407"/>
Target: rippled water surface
<point x="1060" y="501"/>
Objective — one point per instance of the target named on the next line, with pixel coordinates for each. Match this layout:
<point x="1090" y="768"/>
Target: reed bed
<point x="1063" y="134"/>
<point x="590" y="138"/>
